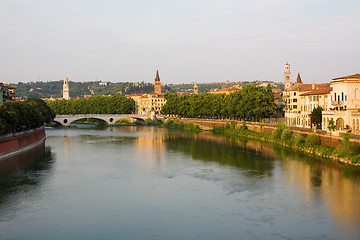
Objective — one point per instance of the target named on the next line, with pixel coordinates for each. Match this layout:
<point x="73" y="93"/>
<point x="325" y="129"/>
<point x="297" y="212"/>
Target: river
<point x="154" y="183"/>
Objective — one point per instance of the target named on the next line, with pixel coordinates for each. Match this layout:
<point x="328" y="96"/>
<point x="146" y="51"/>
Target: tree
<point x="316" y="117"/>
<point x="331" y="126"/>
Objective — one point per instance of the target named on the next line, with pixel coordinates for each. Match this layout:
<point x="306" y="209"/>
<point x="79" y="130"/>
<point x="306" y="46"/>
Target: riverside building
<point x="147" y="103"/>
<point x="339" y="99"/>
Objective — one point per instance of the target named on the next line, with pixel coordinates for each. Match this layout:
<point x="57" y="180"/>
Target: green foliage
<point x="243" y="126"/>
<point x="316" y="117"/>
<point x="286" y="135"/>
<point x="354" y="148"/>
<point x="18" y="116"/>
<point x="277" y="132"/>
<point x="79" y="89"/>
<point x="250" y="103"/>
<point x="346" y="137"/>
<point x="95" y="105"/>
<point x="298" y="139"/>
<point x="233" y="124"/>
<point x="331" y="125"/>
<point x="182" y="125"/>
<point x="312" y="140"/>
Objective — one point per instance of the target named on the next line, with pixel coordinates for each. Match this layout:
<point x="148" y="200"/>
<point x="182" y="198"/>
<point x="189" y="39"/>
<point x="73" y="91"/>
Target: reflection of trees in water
<point x="317" y="164"/>
<point x="24" y="172"/>
<point x="223" y="151"/>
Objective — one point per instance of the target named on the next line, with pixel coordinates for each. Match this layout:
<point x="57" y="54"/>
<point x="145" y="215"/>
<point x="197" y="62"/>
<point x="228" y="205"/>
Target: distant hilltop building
<point x="147" y="103"/>
<point x="104" y="84"/>
<point x="226" y="90"/>
<point x="66" y="89"/>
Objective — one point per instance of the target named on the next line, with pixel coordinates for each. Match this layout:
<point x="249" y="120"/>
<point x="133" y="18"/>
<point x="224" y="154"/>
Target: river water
<point x="153" y="183"/>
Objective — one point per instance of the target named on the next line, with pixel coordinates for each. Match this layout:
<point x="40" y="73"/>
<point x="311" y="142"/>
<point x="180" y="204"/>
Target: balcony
<point x="355" y="114"/>
<point x="334" y="103"/>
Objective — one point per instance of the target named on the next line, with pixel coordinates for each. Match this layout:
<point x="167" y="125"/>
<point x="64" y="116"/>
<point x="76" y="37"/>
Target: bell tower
<point x="157" y="83"/>
<point x="287" y="79"/>
<point x="66" y="89"/>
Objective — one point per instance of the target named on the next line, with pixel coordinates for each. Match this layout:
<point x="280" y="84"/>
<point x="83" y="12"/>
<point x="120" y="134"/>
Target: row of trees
<point x="18" y="116"/>
<point x="250" y="103"/>
<point x="94" y="105"/>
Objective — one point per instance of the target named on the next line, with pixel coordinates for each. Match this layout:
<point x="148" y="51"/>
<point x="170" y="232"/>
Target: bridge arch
<point x="66" y="120"/>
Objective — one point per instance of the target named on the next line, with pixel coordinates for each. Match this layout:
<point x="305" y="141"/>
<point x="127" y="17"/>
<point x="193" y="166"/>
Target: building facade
<point x="339" y="99"/>
<point x="345" y="104"/>
<point x="301" y="99"/>
<point x="148" y="103"/>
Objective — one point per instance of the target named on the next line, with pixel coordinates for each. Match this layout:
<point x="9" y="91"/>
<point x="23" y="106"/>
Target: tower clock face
<point x="287" y="85"/>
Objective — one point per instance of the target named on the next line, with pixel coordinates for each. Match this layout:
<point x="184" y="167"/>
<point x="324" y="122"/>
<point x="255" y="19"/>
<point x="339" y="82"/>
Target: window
<point x="295" y="107"/>
<point x="342" y="96"/>
<point x="294" y="93"/>
<point x="295" y="100"/>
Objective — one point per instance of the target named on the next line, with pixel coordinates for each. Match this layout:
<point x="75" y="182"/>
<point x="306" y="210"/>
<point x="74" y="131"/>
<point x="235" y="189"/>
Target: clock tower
<point x="287" y="79"/>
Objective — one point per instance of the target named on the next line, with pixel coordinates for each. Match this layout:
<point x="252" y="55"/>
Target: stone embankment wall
<point x="326" y="140"/>
<point x="14" y="143"/>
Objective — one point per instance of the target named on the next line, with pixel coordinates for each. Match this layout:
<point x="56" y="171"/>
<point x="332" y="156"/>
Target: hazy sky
<point x="197" y="40"/>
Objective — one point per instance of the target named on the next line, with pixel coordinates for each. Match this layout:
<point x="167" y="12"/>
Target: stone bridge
<point x="66" y="120"/>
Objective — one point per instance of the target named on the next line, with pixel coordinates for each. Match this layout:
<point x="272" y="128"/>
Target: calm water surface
<point x="151" y="183"/>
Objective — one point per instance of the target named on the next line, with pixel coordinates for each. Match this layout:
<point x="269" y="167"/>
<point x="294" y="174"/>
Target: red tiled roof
<point x="325" y="90"/>
<point x="300" y="87"/>
<point x="350" y="76"/>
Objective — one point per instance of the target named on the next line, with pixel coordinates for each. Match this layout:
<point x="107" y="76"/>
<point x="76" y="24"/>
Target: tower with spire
<point x="287" y="79"/>
<point x="66" y="89"/>
<point x="298" y="80"/>
<point x="157" y="83"/>
<point x="196" y="91"/>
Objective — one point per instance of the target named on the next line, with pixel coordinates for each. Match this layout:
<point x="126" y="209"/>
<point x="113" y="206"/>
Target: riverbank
<point x="15" y="143"/>
<point x="337" y="149"/>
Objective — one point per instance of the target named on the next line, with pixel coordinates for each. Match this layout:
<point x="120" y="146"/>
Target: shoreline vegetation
<point x="349" y="154"/>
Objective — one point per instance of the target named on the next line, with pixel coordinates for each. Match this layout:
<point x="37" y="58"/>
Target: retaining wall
<point x="17" y="142"/>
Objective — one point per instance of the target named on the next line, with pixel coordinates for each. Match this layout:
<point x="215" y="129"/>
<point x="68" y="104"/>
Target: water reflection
<point x="241" y="153"/>
<point x="333" y="185"/>
<point x="23" y="173"/>
<point x="151" y="183"/>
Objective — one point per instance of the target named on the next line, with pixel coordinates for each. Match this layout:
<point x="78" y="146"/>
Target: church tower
<point x="157" y="83"/>
<point x="66" y="89"/>
<point x="287" y="79"/>
<point x="195" y="88"/>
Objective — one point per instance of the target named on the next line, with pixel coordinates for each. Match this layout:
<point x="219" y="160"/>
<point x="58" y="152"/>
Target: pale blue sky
<point x="197" y="40"/>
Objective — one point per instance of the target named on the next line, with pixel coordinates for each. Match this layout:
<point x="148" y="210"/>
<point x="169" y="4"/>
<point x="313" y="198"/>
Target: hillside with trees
<point x="96" y="88"/>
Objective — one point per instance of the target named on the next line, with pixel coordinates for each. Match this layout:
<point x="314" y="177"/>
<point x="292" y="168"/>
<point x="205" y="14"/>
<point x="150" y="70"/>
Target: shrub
<point x="233" y="124"/>
<point x="298" y="139"/>
<point x="243" y="127"/>
<point x="286" y="135"/>
<point x="346" y="137"/>
<point x="276" y="134"/>
<point x="354" y="148"/>
<point x="312" y="140"/>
